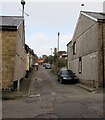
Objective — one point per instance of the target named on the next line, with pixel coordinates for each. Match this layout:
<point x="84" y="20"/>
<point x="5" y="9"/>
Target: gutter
<point x="8" y="28"/>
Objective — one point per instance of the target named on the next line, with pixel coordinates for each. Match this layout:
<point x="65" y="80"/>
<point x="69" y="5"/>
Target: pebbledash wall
<point x="20" y="56"/>
<point x="13" y="53"/>
<point x="101" y="53"/>
<point x="0" y="60"/>
<point x="86" y="62"/>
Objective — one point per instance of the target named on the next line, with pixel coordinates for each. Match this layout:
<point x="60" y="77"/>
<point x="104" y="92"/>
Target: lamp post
<point x="82" y="5"/>
<point x="23" y="3"/>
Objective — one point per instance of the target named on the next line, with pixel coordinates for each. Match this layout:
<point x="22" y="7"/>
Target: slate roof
<point x="10" y="21"/>
<point x="95" y="15"/>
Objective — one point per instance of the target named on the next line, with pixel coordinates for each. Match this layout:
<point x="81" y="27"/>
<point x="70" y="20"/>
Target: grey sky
<point x="47" y="18"/>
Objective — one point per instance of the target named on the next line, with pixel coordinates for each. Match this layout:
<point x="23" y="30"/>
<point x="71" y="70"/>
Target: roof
<point x="10" y="21"/>
<point x="62" y="52"/>
<point x="40" y="60"/>
<point x="97" y="16"/>
<point x="69" y="42"/>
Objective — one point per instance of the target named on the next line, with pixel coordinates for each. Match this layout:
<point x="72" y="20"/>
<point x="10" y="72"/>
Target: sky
<point x="47" y="18"/>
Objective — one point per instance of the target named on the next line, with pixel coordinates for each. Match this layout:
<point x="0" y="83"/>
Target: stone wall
<point x="8" y="57"/>
<point x="13" y="57"/>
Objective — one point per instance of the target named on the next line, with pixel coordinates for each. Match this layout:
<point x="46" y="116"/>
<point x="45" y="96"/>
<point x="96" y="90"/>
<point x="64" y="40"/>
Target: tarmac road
<point x="47" y="98"/>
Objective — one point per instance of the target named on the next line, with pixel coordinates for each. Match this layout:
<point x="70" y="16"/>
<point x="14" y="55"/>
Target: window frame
<point x="74" y="48"/>
<point x="80" y="65"/>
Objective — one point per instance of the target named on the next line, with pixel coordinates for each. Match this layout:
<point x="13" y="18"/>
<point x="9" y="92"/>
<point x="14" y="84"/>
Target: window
<point x="80" y="65"/>
<point x="74" y="48"/>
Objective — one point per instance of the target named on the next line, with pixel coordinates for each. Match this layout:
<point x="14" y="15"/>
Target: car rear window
<point x="65" y="72"/>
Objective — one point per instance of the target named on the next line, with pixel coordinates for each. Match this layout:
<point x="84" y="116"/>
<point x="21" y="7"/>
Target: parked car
<point x="65" y="75"/>
<point x="48" y="66"/>
<point x="44" y="64"/>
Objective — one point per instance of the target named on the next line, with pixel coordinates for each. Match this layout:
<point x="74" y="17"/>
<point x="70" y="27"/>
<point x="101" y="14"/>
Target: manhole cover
<point x="48" y="115"/>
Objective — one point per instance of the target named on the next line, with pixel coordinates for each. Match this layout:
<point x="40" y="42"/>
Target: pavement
<point x="25" y="84"/>
<point x="24" y="89"/>
<point x="90" y="89"/>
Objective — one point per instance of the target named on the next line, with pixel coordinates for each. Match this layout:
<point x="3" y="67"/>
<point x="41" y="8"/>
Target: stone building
<point x="86" y="50"/>
<point x="13" y="51"/>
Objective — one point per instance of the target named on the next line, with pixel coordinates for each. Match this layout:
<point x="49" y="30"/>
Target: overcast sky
<point x="46" y="19"/>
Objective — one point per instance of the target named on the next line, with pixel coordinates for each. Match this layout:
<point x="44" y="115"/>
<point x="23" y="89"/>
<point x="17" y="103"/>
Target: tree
<point x="62" y="62"/>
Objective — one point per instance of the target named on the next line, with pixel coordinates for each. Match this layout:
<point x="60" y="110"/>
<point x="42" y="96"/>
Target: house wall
<point x="86" y="48"/>
<point x="20" y="63"/>
<point x="13" y="57"/>
<point x="84" y="23"/>
<point x="27" y="61"/>
<point x="31" y="61"/>
<point x="101" y="34"/>
<point x="0" y="60"/>
<point x="8" y="57"/>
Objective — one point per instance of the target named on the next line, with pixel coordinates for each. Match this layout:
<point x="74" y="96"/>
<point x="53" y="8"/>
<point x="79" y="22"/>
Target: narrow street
<point x="47" y="98"/>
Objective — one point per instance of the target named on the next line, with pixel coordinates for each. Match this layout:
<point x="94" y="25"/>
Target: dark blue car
<point x="65" y="75"/>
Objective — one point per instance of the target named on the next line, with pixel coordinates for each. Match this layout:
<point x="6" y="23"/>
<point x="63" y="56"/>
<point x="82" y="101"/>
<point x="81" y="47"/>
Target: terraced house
<point x="13" y="51"/>
<point x="86" y="50"/>
<point x="31" y="59"/>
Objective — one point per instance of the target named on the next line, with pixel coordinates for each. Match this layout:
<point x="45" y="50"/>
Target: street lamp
<point x="82" y="5"/>
<point x="23" y="3"/>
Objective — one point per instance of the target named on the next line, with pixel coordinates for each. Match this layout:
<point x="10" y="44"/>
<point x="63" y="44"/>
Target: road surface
<point x="47" y="98"/>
